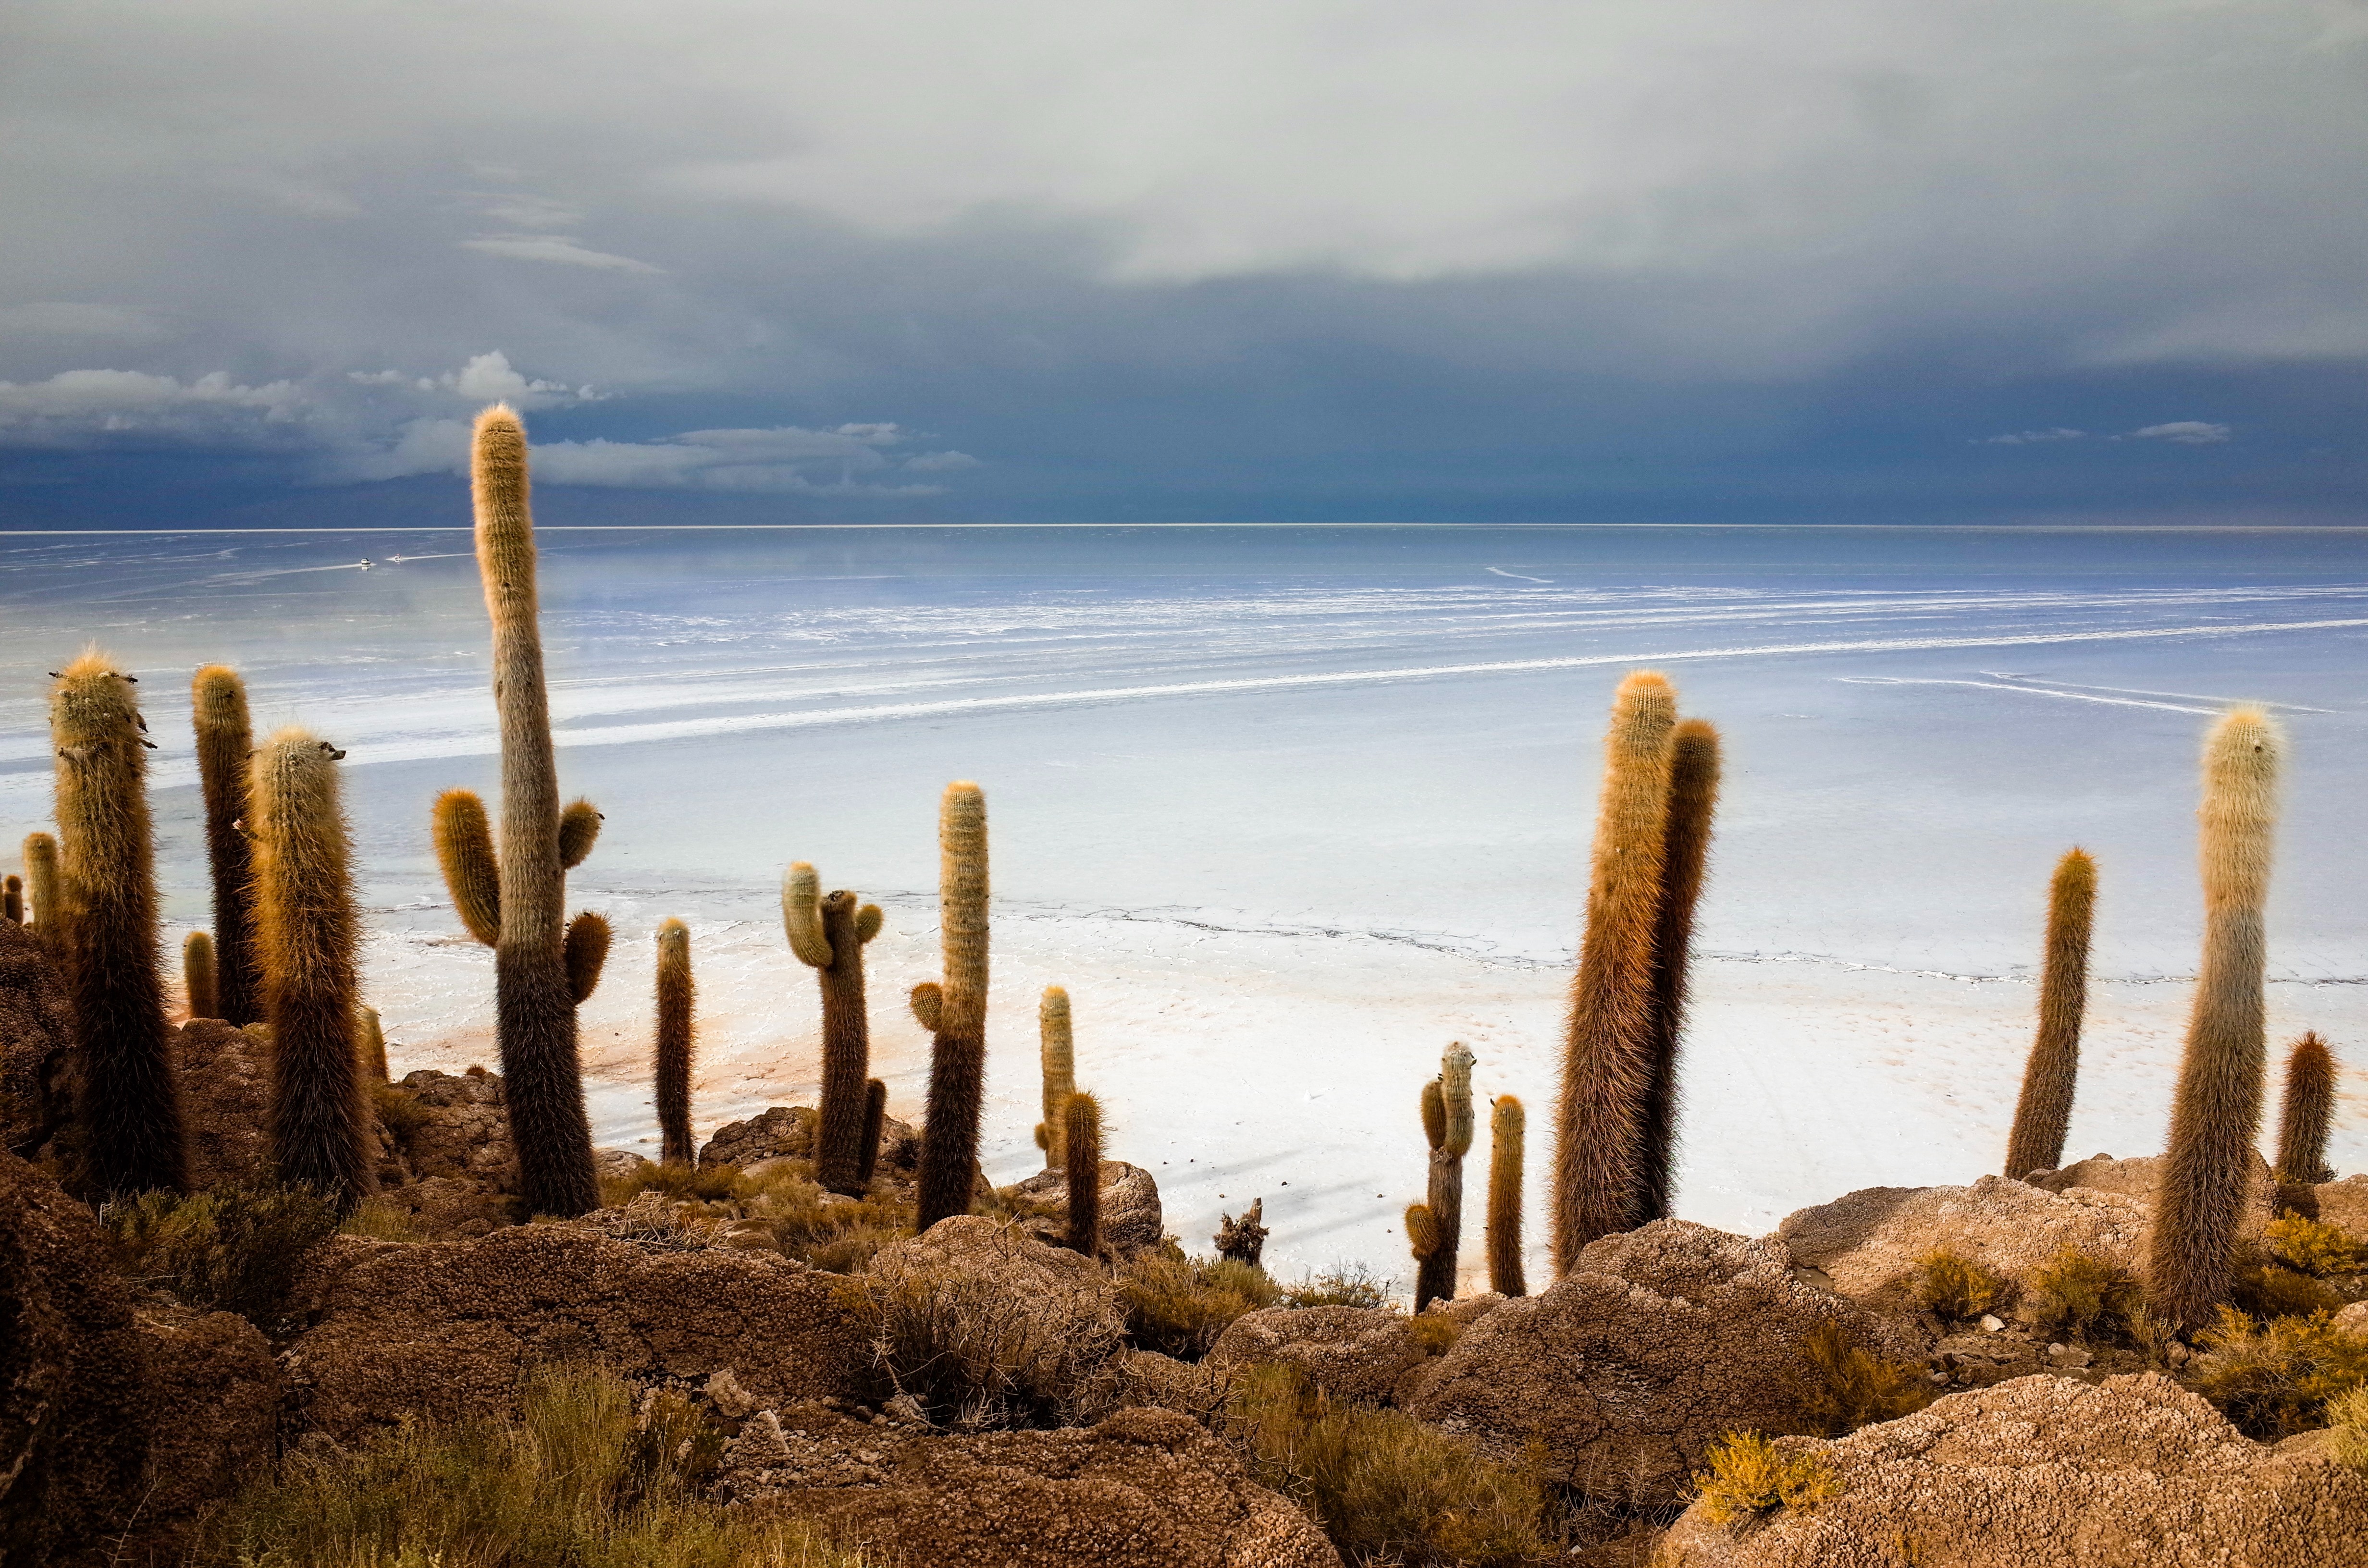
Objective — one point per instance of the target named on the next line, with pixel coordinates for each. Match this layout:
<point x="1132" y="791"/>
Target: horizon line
<point x="1376" y="528"/>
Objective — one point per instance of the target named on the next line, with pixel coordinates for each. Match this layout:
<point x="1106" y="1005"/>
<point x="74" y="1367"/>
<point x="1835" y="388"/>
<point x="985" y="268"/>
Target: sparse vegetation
<point x="2276" y="1379"/>
<point x="2315" y="1248"/>
<point x="2346" y="1413"/>
<point x="975" y="1355"/>
<point x="1178" y="1305"/>
<point x="2262" y="1290"/>
<point x="1350" y="1285"/>
<point x="1846" y="1387"/>
<point x="1750" y="1478"/>
<point x="1954" y="1288"/>
<point x="2078" y="1293"/>
<point x="234" y="1249"/>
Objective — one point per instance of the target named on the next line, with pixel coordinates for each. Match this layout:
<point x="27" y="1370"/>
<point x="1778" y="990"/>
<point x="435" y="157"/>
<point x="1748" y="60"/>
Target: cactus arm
<point x="928" y="1004"/>
<point x="588" y="952"/>
<point x="1455" y="1093"/>
<point x="465" y="849"/>
<point x="867" y="923"/>
<point x="802" y="915"/>
<point x="579" y="827"/>
<point x="1422" y="1231"/>
<point x="1434" y="1114"/>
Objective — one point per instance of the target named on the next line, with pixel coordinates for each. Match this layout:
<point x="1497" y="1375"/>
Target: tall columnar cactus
<point x="1058" y="1050"/>
<point x="307" y="930"/>
<point x="674" y="1044"/>
<point x="131" y="1099"/>
<point x="2216" y="1112"/>
<point x="11" y="897"/>
<point x="2044" y="1115"/>
<point x="42" y="885"/>
<point x="1507" y="1121"/>
<point x="373" y="1048"/>
<point x="199" y="980"/>
<point x="515" y="901"/>
<point x="2306" y="1113"/>
<point x="1693" y="797"/>
<point x="225" y="745"/>
<point x="1081" y="1145"/>
<point x="875" y="1122"/>
<point x="829" y="934"/>
<point x="1447" y="1124"/>
<point x="1608" y="1037"/>
<point x="954" y="1012"/>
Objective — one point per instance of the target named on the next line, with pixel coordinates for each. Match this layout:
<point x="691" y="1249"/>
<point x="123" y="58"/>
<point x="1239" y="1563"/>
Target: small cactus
<point x="2306" y="1113"/>
<point x="1081" y="1145"/>
<point x="11" y="897"/>
<point x="2217" y="1110"/>
<point x="954" y="1011"/>
<point x="1242" y="1239"/>
<point x="1506" y="1123"/>
<point x="135" y="1138"/>
<point x="1693" y="797"/>
<point x="1058" y="1051"/>
<point x="48" y="913"/>
<point x="373" y="1046"/>
<point x="674" y="1044"/>
<point x="2044" y="1115"/>
<point x="1447" y="1124"/>
<point x="875" y="1122"/>
<point x="828" y="934"/>
<point x="307" y="930"/>
<point x="198" y="976"/>
<point x="225" y="743"/>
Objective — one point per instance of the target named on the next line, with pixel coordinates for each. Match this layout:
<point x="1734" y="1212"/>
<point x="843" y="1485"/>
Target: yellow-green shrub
<point x="1845" y="1387"/>
<point x="234" y="1249"/>
<point x="1749" y="1477"/>
<point x="2313" y="1248"/>
<point x="2276" y="1379"/>
<point x="1954" y="1288"/>
<point x="1353" y="1285"/>
<point x="2346" y="1413"/>
<point x="1177" y="1305"/>
<point x="2078" y="1293"/>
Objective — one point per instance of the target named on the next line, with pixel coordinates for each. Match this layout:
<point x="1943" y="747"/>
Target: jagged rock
<point x="786" y="1131"/>
<point x="1660" y="1342"/>
<point x="445" y="1329"/>
<point x="1132" y="1222"/>
<point x="214" y="1389"/>
<point x="610" y="1164"/>
<point x="1144" y="1489"/>
<point x="1867" y="1242"/>
<point x="2344" y="1204"/>
<point x="458" y="1128"/>
<point x="74" y="1405"/>
<point x="2042" y="1472"/>
<point x="448" y="1208"/>
<point x="37" y="1061"/>
<point x="1354" y="1353"/>
<point x="226" y="1101"/>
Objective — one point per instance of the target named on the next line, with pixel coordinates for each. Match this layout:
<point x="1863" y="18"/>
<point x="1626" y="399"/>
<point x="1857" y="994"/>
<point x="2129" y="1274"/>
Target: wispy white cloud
<point x="2027" y="437"/>
<point x="785" y="458"/>
<point x="554" y="247"/>
<point x="940" y="463"/>
<point x="2185" y="432"/>
<point x="487" y="378"/>
<point x="86" y="408"/>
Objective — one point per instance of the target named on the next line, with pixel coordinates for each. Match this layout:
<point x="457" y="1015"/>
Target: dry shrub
<point x="582" y="1479"/>
<point x="1847" y="1388"/>
<point x="2276" y="1379"/>
<point x="1350" y="1285"/>
<point x="2313" y="1248"/>
<point x="380" y="1221"/>
<point x="2263" y="1289"/>
<point x="1178" y="1305"/>
<point x="807" y="1224"/>
<point x="399" y="1111"/>
<point x="975" y="1354"/>
<point x="709" y="1183"/>
<point x="1387" y="1488"/>
<point x="1954" y="1288"/>
<point x="1436" y="1335"/>
<point x="2078" y="1293"/>
<point x="1749" y="1477"/>
<point x="2346" y="1413"/>
<point x="234" y="1249"/>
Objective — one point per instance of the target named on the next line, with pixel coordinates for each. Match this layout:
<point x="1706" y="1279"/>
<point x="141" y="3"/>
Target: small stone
<point x="1991" y="1323"/>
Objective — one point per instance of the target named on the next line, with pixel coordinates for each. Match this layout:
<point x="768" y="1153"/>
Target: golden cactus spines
<point x="1685" y="861"/>
<point x="828" y="933"/>
<point x="464" y="850"/>
<point x="129" y="1101"/>
<point x="675" y="1044"/>
<point x="1507" y="1121"/>
<point x="2306" y="1113"/>
<point x="1422" y="1232"/>
<point x="1081" y="1144"/>
<point x="48" y="912"/>
<point x="198" y="984"/>
<point x="2217" y="1110"/>
<point x="373" y="1048"/>
<point x="225" y="740"/>
<point x="2042" y="1115"/>
<point x="1447" y="1119"/>
<point x="11" y="897"/>
<point x="1057" y="1049"/>
<point x="308" y="931"/>
<point x="579" y="827"/>
<point x="1607" y="1035"/>
<point x="585" y="948"/>
<point x="956" y="1011"/>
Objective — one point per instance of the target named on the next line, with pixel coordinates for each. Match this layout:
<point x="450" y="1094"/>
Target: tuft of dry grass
<point x="2346" y="1413"/>
<point x="1387" y="1488"/>
<point x="589" y="1476"/>
<point x="2080" y="1294"/>
<point x="1350" y="1285"/>
<point x="1954" y="1288"/>
<point x="975" y="1355"/>
<point x="1436" y="1335"/>
<point x="234" y="1249"/>
<point x="2276" y="1379"/>
<point x="1750" y="1478"/>
<point x="1847" y="1388"/>
<point x="1178" y="1305"/>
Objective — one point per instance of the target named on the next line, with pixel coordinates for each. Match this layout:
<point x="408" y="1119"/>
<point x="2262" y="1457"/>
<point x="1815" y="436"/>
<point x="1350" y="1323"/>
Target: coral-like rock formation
<point x="1131" y="1221"/>
<point x="37" y="1094"/>
<point x="1145" y="1489"/>
<point x="227" y="1099"/>
<point x="1352" y="1353"/>
<point x="1867" y="1242"/>
<point x="461" y="1129"/>
<point x="214" y="1389"/>
<point x="2344" y="1204"/>
<point x="1662" y="1341"/>
<point x="1072" y="1297"/>
<point x="2042" y="1472"/>
<point x="787" y="1133"/>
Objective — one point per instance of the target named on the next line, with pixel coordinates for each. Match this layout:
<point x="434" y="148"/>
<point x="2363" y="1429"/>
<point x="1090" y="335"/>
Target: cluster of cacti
<point x="673" y="1045"/>
<point x="2306" y="1113"/>
<point x="1081" y="1163"/>
<point x="514" y="901"/>
<point x="2216" y="1112"/>
<point x="1057" y="1050"/>
<point x="1506" y="1124"/>
<point x="2044" y="1115"/>
<point x="829" y="934"/>
<point x="954" y="1012"/>
<point x="1447" y="1125"/>
<point x="225" y="744"/>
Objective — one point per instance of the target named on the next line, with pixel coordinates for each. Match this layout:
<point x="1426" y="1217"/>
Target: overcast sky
<point x="1590" y="261"/>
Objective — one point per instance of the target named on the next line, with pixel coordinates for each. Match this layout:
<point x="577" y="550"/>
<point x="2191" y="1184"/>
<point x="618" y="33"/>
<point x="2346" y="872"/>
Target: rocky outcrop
<point x="1148" y="1380"/>
<point x="2042" y="1472"/>
<point x="1354" y="1354"/>
<point x="2136" y="1179"/>
<point x="1131" y="1221"/>
<point x="2344" y="1204"/>
<point x="787" y="1133"/>
<point x="445" y="1329"/>
<point x="1144" y="1489"/>
<point x="1661" y="1342"/>
<point x="1867" y="1243"/>
<point x="456" y="1127"/>
<point x="226" y="1101"/>
<point x="73" y="1408"/>
<point x="214" y="1389"/>
<point x="446" y="1209"/>
<point x="37" y="1088"/>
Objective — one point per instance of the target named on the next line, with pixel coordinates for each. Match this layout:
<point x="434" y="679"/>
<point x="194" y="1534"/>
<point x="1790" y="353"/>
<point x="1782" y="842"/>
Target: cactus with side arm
<point x="828" y="934"/>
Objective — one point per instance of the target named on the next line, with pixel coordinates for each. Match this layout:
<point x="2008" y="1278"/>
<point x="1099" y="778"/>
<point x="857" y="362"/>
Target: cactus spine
<point x="2306" y="1112"/>
<point x="41" y="883"/>
<point x="2044" y="1115"/>
<point x="2216" y="1111"/>
<point x="1505" y="1124"/>
<point x="12" y="898"/>
<point x="1607" y="1041"/>
<point x="675" y="1044"/>
<point x="307" y="929"/>
<point x="1081" y="1143"/>
<point x="829" y="934"/>
<point x="225" y="745"/>
<point x="373" y="1045"/>
<point x="875" y="1122"/>
<point x="198" y="976"/>
<point x="514" y="900"/>
<point x="131" y="1099"/>
<point x="955" y="1011"/>
<point x="1693" y="797"/>
<point x="1059" y="1053"/>
<point x="1447" y="1124"/>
